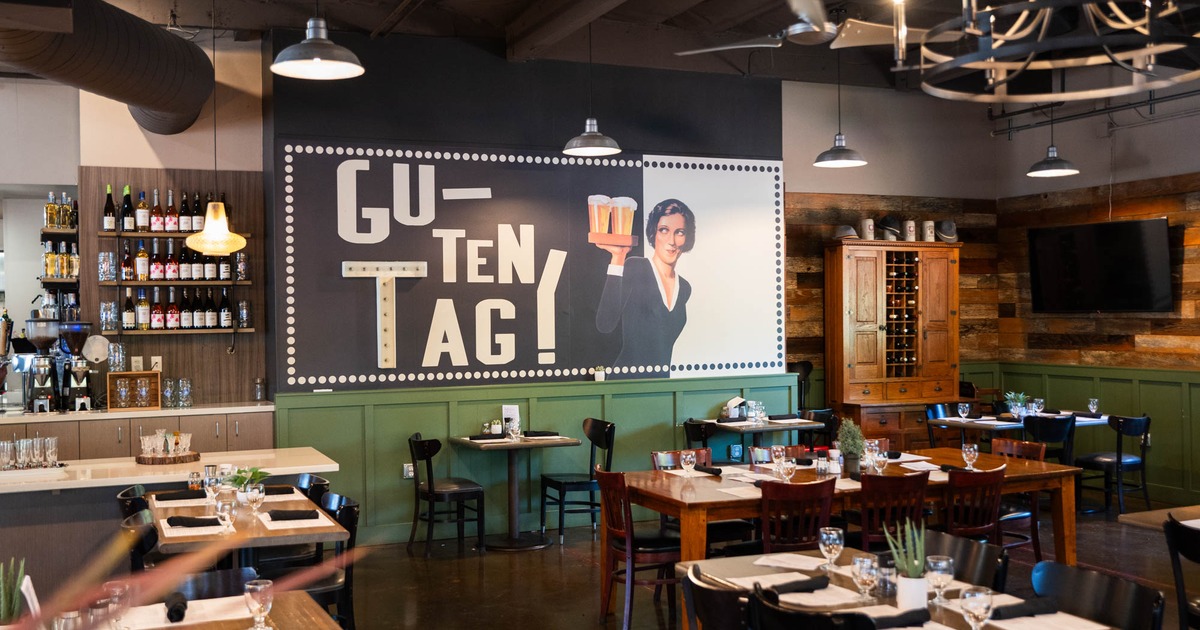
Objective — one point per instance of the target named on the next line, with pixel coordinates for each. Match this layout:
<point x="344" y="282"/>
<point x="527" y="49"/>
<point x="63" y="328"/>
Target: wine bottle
<point x="127" y="264"/>
<point x="224" y="314"/>
<point x="110" y="211"/>
<point x="141" y="214"/>
<point x="210" y="311"/>
<point x="197" y="267"/>
<point x="185" y="312"/>
<point x="73" y="266"/>
<point x="185" y="214"/>
<point x="141" y="262"/>
<point x="171" y="215"/>
<point x="158" y="218"/>
<point x="224" y="268"/>
<point x="74" y="214"/>
<point x="210" y="267"/>
<point x="143" y="311"/>
<point x="198" y="311"/>
<point x="128" y="315"/>
<point x="171" y="266"/>
<point x="172" y="310"/>
<point x="157" y="264"/>
<point x="197" y="213"/>
<point x="185" y="262"/>
<point x="158" y="315"/>
<point x="127" y="220"/>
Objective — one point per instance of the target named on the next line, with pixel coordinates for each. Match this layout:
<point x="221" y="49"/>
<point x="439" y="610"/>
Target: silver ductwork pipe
<point x="163" y="79"/>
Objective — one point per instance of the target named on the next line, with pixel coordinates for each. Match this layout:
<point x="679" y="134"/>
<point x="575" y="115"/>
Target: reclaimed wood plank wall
<point x="811" y="221"/>
<point x="1144" y="340"/>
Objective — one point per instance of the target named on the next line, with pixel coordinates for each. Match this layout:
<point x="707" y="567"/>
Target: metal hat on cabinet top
<point x="844" y="231"/>
<point x="947" y="232"/>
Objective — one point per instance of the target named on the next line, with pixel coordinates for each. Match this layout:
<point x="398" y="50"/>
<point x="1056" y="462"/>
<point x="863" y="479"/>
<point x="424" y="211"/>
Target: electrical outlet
<point x="735" y="451"/>
<point x="156" y="363"/>
<point x="135" y="363"/>
<point x="408" y="471"/>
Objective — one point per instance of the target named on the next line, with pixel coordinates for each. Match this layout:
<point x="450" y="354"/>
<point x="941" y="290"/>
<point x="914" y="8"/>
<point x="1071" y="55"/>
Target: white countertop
<point x="116" y="414"/>
<point x="124" y="471"/>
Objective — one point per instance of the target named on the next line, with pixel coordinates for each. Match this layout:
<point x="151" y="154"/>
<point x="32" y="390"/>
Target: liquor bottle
<point x="141" y="262"/>
<point x="73" y="265"/>
<point x="197" y="267"/>
<point x="157" y="264"/>
<point x="128" y="314"/>
<point x="210" y="267"/>
<point x="128" y="224"/>
<point x="109" y="223"/>
<point x="50" y="216"/>
<point x="224" y="314"/>
<point x="127" y="264"/>
<point x="64" y="211"/>
<point x="141" y="214"/>
<point x="74" y="214"/>
<point x="197" y="213"/>
<point x="185" y="262"/>
<point x="158" y="315"/>
<point x="143" y="311"/>
<point x="185" y="214"/>
<point x="210" y="311"/>
<point x="184" y="311"/>
<point x="224" y="268"/>
<point x="171" y="267"/>
<point x="157" y="216"/>
<point x="62" y="263"/>
<point x="171" y="217"/>
<point x="49" y="260"/>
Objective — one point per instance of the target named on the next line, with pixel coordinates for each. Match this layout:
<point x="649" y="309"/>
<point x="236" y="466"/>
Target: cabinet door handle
<point x="218" y="427"/>
<point x="938" y="388"/>
<point x="139" y="431"/>
<point x="118" y="435"/>
<point x="866" y="392"/>
<point x="37" y="434"/>
<point x="237" y="429"/>
<point x="883" y="422"/>
<point x="903" y="390"/>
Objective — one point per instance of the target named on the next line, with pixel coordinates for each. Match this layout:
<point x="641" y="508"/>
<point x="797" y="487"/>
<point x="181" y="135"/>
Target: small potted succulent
<point x="11" y="599"/>
<point x="598" y="372"/>
<point x="245" y="477"/>
<point x="850" y="445"/>
<point x="1015" y="402"/>
<point x="908" y="550"/>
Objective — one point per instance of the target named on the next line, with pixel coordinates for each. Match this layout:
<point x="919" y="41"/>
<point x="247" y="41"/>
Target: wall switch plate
<point x="735" y="451"/>
<point x="156" y="363"/>
<point x="408" y="471"/>
<point x="135" y="363"/>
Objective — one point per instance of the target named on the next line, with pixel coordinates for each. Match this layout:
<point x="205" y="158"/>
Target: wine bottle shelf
<point x="175" y="283"/>
<point x="60" y="232"/>
<point x="180" y="331"/>
<point x="59" y="280"/>
<point x="154" y="234"/>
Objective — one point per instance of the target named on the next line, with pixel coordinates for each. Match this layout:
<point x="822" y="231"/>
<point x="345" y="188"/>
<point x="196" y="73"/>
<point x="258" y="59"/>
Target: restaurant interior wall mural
<point x="404" y="265"/>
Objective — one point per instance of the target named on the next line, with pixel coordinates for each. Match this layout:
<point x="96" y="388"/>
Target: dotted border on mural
<point x="290" y="150"/>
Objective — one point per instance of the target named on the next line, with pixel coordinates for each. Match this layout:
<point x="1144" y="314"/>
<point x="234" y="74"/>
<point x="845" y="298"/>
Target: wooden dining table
<point x="290" y="610"/>
<point x="756" y="431"/>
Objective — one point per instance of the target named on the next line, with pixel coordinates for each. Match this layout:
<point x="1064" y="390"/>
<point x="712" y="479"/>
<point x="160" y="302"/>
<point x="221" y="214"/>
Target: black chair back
<point x="697" y="433"/>
<point x="602" y="435"/>
<point x="139" y="528"/>
<point x="831" y="422"/>
<point x="716" y="608"/>
<point x="1182" y="541"/>
<point x="1137" y="427"/>
<point x="766" y="614"/>
<point x="1105" y="599"/>
<point x="1053" y="431"/>
<point x="422" y="451"/>
<point x="967" y="389"/>
<point x="978" y="563"/>
<point x="312" y="486"/>
<point x="802" y="370"/>
<point x="132" y="500"/>
<point x="934" y="412"/>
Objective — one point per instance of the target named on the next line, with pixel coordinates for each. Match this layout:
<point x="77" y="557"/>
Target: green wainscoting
<point x="1170" y="397"/>
<point x="367" y="434"/>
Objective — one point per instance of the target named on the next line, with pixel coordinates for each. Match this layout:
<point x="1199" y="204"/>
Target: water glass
<point x="970" y="453"/>
<point x="6" y="455"/>
<point x="879" y="462"/>
<point x="514" y="429"/>
<point x="185" y="443"/>
<point x="777" y="453"/>
<point x="23" y="453"/>
<point x="940" y="572"/>
<point x="255" y="495"/>
<point x="147" y="445"/>
<point x="976" y="605"/>
<point x="185" y="392"/>
<point x="106" y="266"/>
<point x="122" y="390"/>
<point x="50" y="451"/>
<point x="116" y="358"/>
<point x="142" y="393"/>
<point x="787" y="468"/>
<point x="212" y="487"/>
<point x="964" y="409"/>
<point x="1093" y="404"/>
<point x="865" y="571"/>
<point x="169" y="392"/>
<point x="36" y="453"/>
<point x="109" y="316"/>
<point x="831" y="541"/>
<point x="160" y="442"/>
<point x="687" y="459"/>
<point x="1039" y="405"/>
<point x="259" y="596"/>
<point x="118" y="602"/>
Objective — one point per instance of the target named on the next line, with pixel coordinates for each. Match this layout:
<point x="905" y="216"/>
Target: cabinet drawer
<point x="939" y="389"/>
<point x="903" y="391"/>
<point x="880" y="424"/>
<point x="864" y="392"/>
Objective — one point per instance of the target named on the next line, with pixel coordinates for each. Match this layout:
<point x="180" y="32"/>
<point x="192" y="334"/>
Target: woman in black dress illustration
<point x="645" y="295"/>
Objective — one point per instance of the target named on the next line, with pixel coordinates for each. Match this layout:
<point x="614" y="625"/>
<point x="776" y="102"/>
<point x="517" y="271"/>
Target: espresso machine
<point x="77" y="393"/>
<point x="42" y="394"/>
<point x="5" y="337"/>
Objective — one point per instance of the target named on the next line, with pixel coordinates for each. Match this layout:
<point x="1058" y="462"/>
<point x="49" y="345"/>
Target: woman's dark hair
<point x="667" y="208"/>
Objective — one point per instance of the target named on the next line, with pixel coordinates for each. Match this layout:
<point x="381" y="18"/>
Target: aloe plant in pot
<point x="11" y="599"/>
<point x="908" y="550"/>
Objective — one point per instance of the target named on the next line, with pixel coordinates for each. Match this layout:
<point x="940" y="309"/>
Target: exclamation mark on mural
<point x="547" y="287"/>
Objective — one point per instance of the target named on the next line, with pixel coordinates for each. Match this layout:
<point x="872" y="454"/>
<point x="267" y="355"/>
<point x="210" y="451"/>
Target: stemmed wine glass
<point x="976" y="605"/>
<point x="1039" y="405"/>
<point x="787" y="468"/>
<point x="970" y="453"/>
<point x="514" y="430"/>
<point x="255" y="495"/>
<point x="118" y="602"/>
<point x="865" y="572"/>
<point x="1093" y="404"/>
<point x="831" y="541"/>
<point x="879" y="462"/>
<point x="212" y="487"/>
<point x="940" y="571"/>
<point x="259" y="596"/>
<point x="963" y="410"/>
<point x="777" y="453"/>
<point x="687" y="459"/>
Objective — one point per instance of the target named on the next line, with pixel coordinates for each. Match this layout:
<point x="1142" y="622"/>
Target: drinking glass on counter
<point x="36" y="452"/>
<point x="24" y="448"/>
<point x="687" y="460"/>
<point x="976" y="605"/>
<point x="160" y="442"/>
<point x="147" y="445"/>
<point x="142" y="393"/>
<point x="212" y="487"/>
<point x="865" y="572"/>
<point x="109" y="316"/>
<point x="6" y="455"/>
<point x="116" y="357"/>
<point x="170" y="392"/>
<point x="122" y="389"/>
<point x="970" y="453"/>
<point x="1093" y="404"/>
<point x="50" y="451"/>
<point x="259" y="596"/>
<point x="185" y="443"/>
<point x="185" y="392"/>
<point x="118" y="602"/>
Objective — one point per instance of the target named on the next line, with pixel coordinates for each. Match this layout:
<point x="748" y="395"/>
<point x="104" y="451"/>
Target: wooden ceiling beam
<point x="402" y="10"/>
<point x="547" y="22"/>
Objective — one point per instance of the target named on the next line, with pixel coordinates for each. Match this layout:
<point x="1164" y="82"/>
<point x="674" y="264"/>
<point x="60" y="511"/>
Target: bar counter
<point x="22" y="417"/>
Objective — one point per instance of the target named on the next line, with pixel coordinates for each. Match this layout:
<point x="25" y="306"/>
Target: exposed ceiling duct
<point x="163" y="79"/>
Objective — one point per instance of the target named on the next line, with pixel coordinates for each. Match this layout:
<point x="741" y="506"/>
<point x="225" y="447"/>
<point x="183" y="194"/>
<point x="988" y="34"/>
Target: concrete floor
<point x="557" y="587"/>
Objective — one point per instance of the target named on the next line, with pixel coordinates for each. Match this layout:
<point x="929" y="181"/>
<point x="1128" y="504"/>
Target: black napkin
<point x="947" y="468"/>
<point x="292" y="515"/>
<point x="277" y="490"/>
<point x="709" y="469"/>
<point x="176" y="605"/>
<point x="179" y="495"/>
<point x="911" y="618"/>
<point x="893" y="454"/>
<point x="807" y="585"/>
<point x="486" y="436"/>
<point x="192" y="521"/>
<point x="726" y="419"/>
<point x="783" y="416"/>
<point x="1027" y="608"/>
<point x="540" y="434"/>
<point x="1087" y="414"/>
<point x="1051" y="411"/>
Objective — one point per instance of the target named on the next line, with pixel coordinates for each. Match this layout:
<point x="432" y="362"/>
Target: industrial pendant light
<point x="1052" y="165"/>
<point x="591" y="143"/>
<point x="215" y="239"/>
<point x="317" y="58"/>
<point x="839" y="155"/>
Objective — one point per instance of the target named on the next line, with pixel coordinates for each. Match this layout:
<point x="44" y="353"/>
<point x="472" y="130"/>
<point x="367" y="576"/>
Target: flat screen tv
<point x="1114" y="267"/>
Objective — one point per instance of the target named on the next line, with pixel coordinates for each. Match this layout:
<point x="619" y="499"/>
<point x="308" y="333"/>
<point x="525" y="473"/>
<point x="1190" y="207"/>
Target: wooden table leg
<point x="605" y="563"/>
<point x="1062" y="504"/>
<point x="693" y="533"/>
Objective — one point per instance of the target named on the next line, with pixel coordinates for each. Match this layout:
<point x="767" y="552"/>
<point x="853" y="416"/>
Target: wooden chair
<point x="1105" y="599"/>
<point x="1183" y="541"/>
<point x="718" y="531"/>
<point x="1014" y="512"/>
<point x="972" y="508"/>
<point x="669" y="460"/>
<point x="715" y="607"/>
<point x="640" y="549"/>
<point x="793" y="514"/>
<point x="433" y="491"/>
<point x="942" y="410"/>
<point x="761" y="455"/>
<point x="889" y="501"/>
<point x="1114" y="464"/>
<point x="601" y="434"/>
<point x="767" y="614"/>
<point x="1051" y="432"/>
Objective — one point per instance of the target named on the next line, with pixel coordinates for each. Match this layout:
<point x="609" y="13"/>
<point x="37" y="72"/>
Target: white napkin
<point x="768" y="580"/>
<point x="1057" y="621"/>
<point x="829" y="596"/>
<point x="679" y="472"/>
<point x="1193" y="523"/>
<point x="320" y="521"/>
<point x="742" y="423"/>
<point x="845" y="483"/>
<point x="491" y="441"/>
<point x="199" y="611"/>
<point x="745" y="492"/>
<point x="752" y="477"/>
<point x="937" y="476"/>
<point x="910" y="457"/>
<point x="996" y="422"/>
<point x="791" y="561"/>
<point x="884" y="610"/>
<point x="920" y="466"/>
<point x="294" y="495"/>
<point x="736" y="471"/>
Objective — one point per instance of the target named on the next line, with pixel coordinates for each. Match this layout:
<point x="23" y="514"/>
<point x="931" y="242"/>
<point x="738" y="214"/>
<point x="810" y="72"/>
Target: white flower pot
<point x="599" y="375"/>
<point x="911" y="593"/>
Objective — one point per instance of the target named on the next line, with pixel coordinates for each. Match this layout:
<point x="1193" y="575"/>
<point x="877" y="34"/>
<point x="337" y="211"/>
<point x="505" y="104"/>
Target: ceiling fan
<point x="813" y="28"/>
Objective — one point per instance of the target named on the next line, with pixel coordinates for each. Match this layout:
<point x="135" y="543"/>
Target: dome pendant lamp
<point x="1052" y="165"/>
<point x="591" y="143"/>
<point x="839" y="155"/>
<point x="317" y="58"/>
